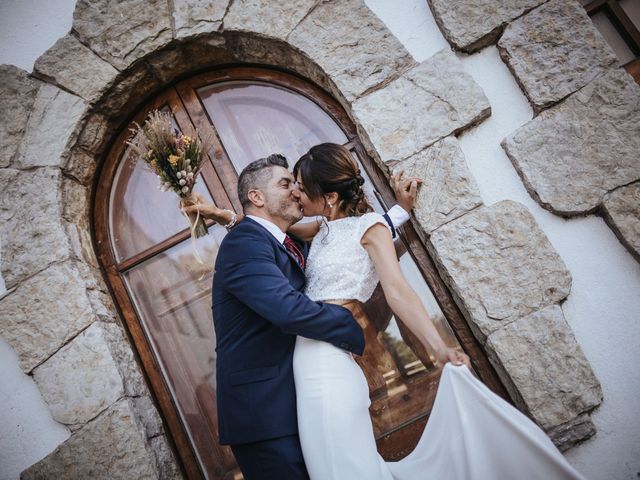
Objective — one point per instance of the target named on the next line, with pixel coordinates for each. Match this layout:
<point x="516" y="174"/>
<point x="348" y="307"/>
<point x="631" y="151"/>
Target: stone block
<point x="352" y="45"/>
<point x="81" y="379"/>
<point x="573" y="432"/>
<point x="73" y="66"/>
<point x="51" y="127"/>
<point x="122" y="354"/>
<point x="273" y="19"/>
<point x="571" y="155"/>
<point x="44" y="313"/>
<point x="554" y="51"/>
<point x="112" y="446"/>
<point x="448" y="190"/>
<point x="470" y="25"/>
<point x="122" y="32"/>
<point x="95" y="135"/>
<point x="544" y="368"/>
<point x="32" y="234"/>
<point x="499" y="266"/>
<point x="17" y="96"/>
<point x="622" y="212"/>
<point x="193" y="18"/>
<point x="165" y="462"/>
<point x="427" y="103"/>
<point x="172" y="62"/>
<point x="124" y="97"/>
<point x="81" y="166"/>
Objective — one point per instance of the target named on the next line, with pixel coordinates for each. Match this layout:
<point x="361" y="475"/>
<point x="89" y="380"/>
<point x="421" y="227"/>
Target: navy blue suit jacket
<point x="258" y="309"/>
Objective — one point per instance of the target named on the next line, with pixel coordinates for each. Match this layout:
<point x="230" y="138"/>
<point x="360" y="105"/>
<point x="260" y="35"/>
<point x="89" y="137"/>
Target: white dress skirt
<point x="471" y="432"/>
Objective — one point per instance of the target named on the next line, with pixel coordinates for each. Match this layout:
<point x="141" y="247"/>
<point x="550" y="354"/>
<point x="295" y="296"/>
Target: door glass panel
<point x="255" y="120"/>
<point x="141" y="215"/>
<point x="171" y="292"/>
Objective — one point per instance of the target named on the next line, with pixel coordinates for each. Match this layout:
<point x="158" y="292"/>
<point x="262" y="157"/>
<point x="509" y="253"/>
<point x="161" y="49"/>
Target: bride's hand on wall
<point x="405" y="189"/>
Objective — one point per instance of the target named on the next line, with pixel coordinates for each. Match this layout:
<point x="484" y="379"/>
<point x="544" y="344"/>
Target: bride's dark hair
<point x="329" y="167"/>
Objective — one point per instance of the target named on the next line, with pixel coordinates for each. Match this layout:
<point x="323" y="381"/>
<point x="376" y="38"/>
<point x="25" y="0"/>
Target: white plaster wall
<point x="602" y="308"/>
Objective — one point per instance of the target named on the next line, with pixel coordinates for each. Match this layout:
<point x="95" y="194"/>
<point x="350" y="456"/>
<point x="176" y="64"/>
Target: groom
<point x="258" y="309"/>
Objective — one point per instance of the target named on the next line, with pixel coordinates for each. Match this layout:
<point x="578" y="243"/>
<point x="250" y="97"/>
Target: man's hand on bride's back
<point x="405" y="189"/>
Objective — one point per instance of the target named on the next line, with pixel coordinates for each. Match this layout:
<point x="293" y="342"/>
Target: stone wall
<point x="504" y="274"/>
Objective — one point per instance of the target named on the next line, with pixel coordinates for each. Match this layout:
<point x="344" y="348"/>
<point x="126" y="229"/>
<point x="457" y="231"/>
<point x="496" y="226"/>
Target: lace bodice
<point x="338" y="267"/>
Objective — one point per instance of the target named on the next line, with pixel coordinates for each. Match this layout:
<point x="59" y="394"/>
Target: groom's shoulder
<point x="244" y="236"/>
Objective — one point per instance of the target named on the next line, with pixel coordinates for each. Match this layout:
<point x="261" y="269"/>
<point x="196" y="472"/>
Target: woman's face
<point x="311" y="208"/>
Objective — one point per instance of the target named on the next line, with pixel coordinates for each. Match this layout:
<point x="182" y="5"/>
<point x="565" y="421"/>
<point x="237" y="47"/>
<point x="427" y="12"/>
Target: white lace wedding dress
<point x="471" y="433"/>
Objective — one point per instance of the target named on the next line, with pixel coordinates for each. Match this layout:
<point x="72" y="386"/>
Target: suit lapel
<point x="269" y="235"/>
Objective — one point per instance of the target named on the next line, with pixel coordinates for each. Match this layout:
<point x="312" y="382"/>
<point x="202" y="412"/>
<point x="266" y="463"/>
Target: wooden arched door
<point x="164" y="293"/>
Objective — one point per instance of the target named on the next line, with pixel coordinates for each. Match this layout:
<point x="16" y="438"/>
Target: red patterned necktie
<point x="293" y="249"/>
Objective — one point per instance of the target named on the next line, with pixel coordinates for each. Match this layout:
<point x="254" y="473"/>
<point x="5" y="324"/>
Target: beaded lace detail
<point x="338" y="267"/>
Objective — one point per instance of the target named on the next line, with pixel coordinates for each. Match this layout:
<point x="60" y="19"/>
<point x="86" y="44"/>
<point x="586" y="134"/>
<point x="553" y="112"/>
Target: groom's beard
<point x="286" y="209"/>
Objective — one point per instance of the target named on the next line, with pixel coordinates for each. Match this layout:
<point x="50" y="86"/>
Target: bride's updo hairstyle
<point x="329" y="167"/>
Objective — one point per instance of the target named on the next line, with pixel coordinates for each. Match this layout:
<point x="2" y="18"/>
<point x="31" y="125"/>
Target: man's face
<point x="282" y="198"/>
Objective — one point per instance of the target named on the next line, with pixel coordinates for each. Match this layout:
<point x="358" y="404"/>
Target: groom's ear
<point x="256" y="197"/>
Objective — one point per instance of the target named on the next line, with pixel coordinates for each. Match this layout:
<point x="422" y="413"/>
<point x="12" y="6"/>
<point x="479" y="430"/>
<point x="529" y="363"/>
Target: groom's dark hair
<point x="256" y="174"/>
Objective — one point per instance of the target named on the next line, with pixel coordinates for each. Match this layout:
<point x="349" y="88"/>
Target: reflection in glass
<point x="256" y="120"/>
<point x="144" y="215"/>
<point x="172" y="296"/>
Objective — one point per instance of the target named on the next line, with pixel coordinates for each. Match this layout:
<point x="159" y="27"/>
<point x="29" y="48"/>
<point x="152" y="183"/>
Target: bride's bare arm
<point x="306" y="231"/>
<point x="211" y="212"/>
<point x="400" y="296"/>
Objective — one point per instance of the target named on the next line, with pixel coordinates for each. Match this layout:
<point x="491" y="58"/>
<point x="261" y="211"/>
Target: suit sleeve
<point x="255" y="280"/>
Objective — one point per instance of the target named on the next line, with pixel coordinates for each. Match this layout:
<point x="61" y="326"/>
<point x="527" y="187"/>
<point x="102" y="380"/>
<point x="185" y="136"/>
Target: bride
<point x="471" y="432"/>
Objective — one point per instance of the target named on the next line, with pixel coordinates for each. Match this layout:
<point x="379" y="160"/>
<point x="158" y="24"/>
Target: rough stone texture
<point x="81" y="379"/>
<point x="148" y="416"/>
<point x="122" y="354"/>
<point x="80" y="166"/>
<point x="425" y="104"/>
<point x="95" y="135"/>
<point x="124" y="97"/>
<point x="32" y="234"/>
<point x="544" y="368"/>
<point x="273" y="19"/>
<point x="448" y="189"/>
<point x="573" y="432"/>
<point x="76" y="68"/>
<point x="499" y="265"/>
<point x="193" y="18"/>
<point x="198" y="53"/>
<point x="164" y="459"/>
<point x="267" y="51"/>
<point x="473" y="24"/>
<point x="570" y="156"/>
<point x="44" y="313"/>
<point x="622" y="212"/>
<point x="352" y="45"/>
<point x="555" y="50"/>
<point x="122" y="32"/>
<point x="112" y="446"/>
<point x="51" y="126"/>
<point x="17" y="95"/>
